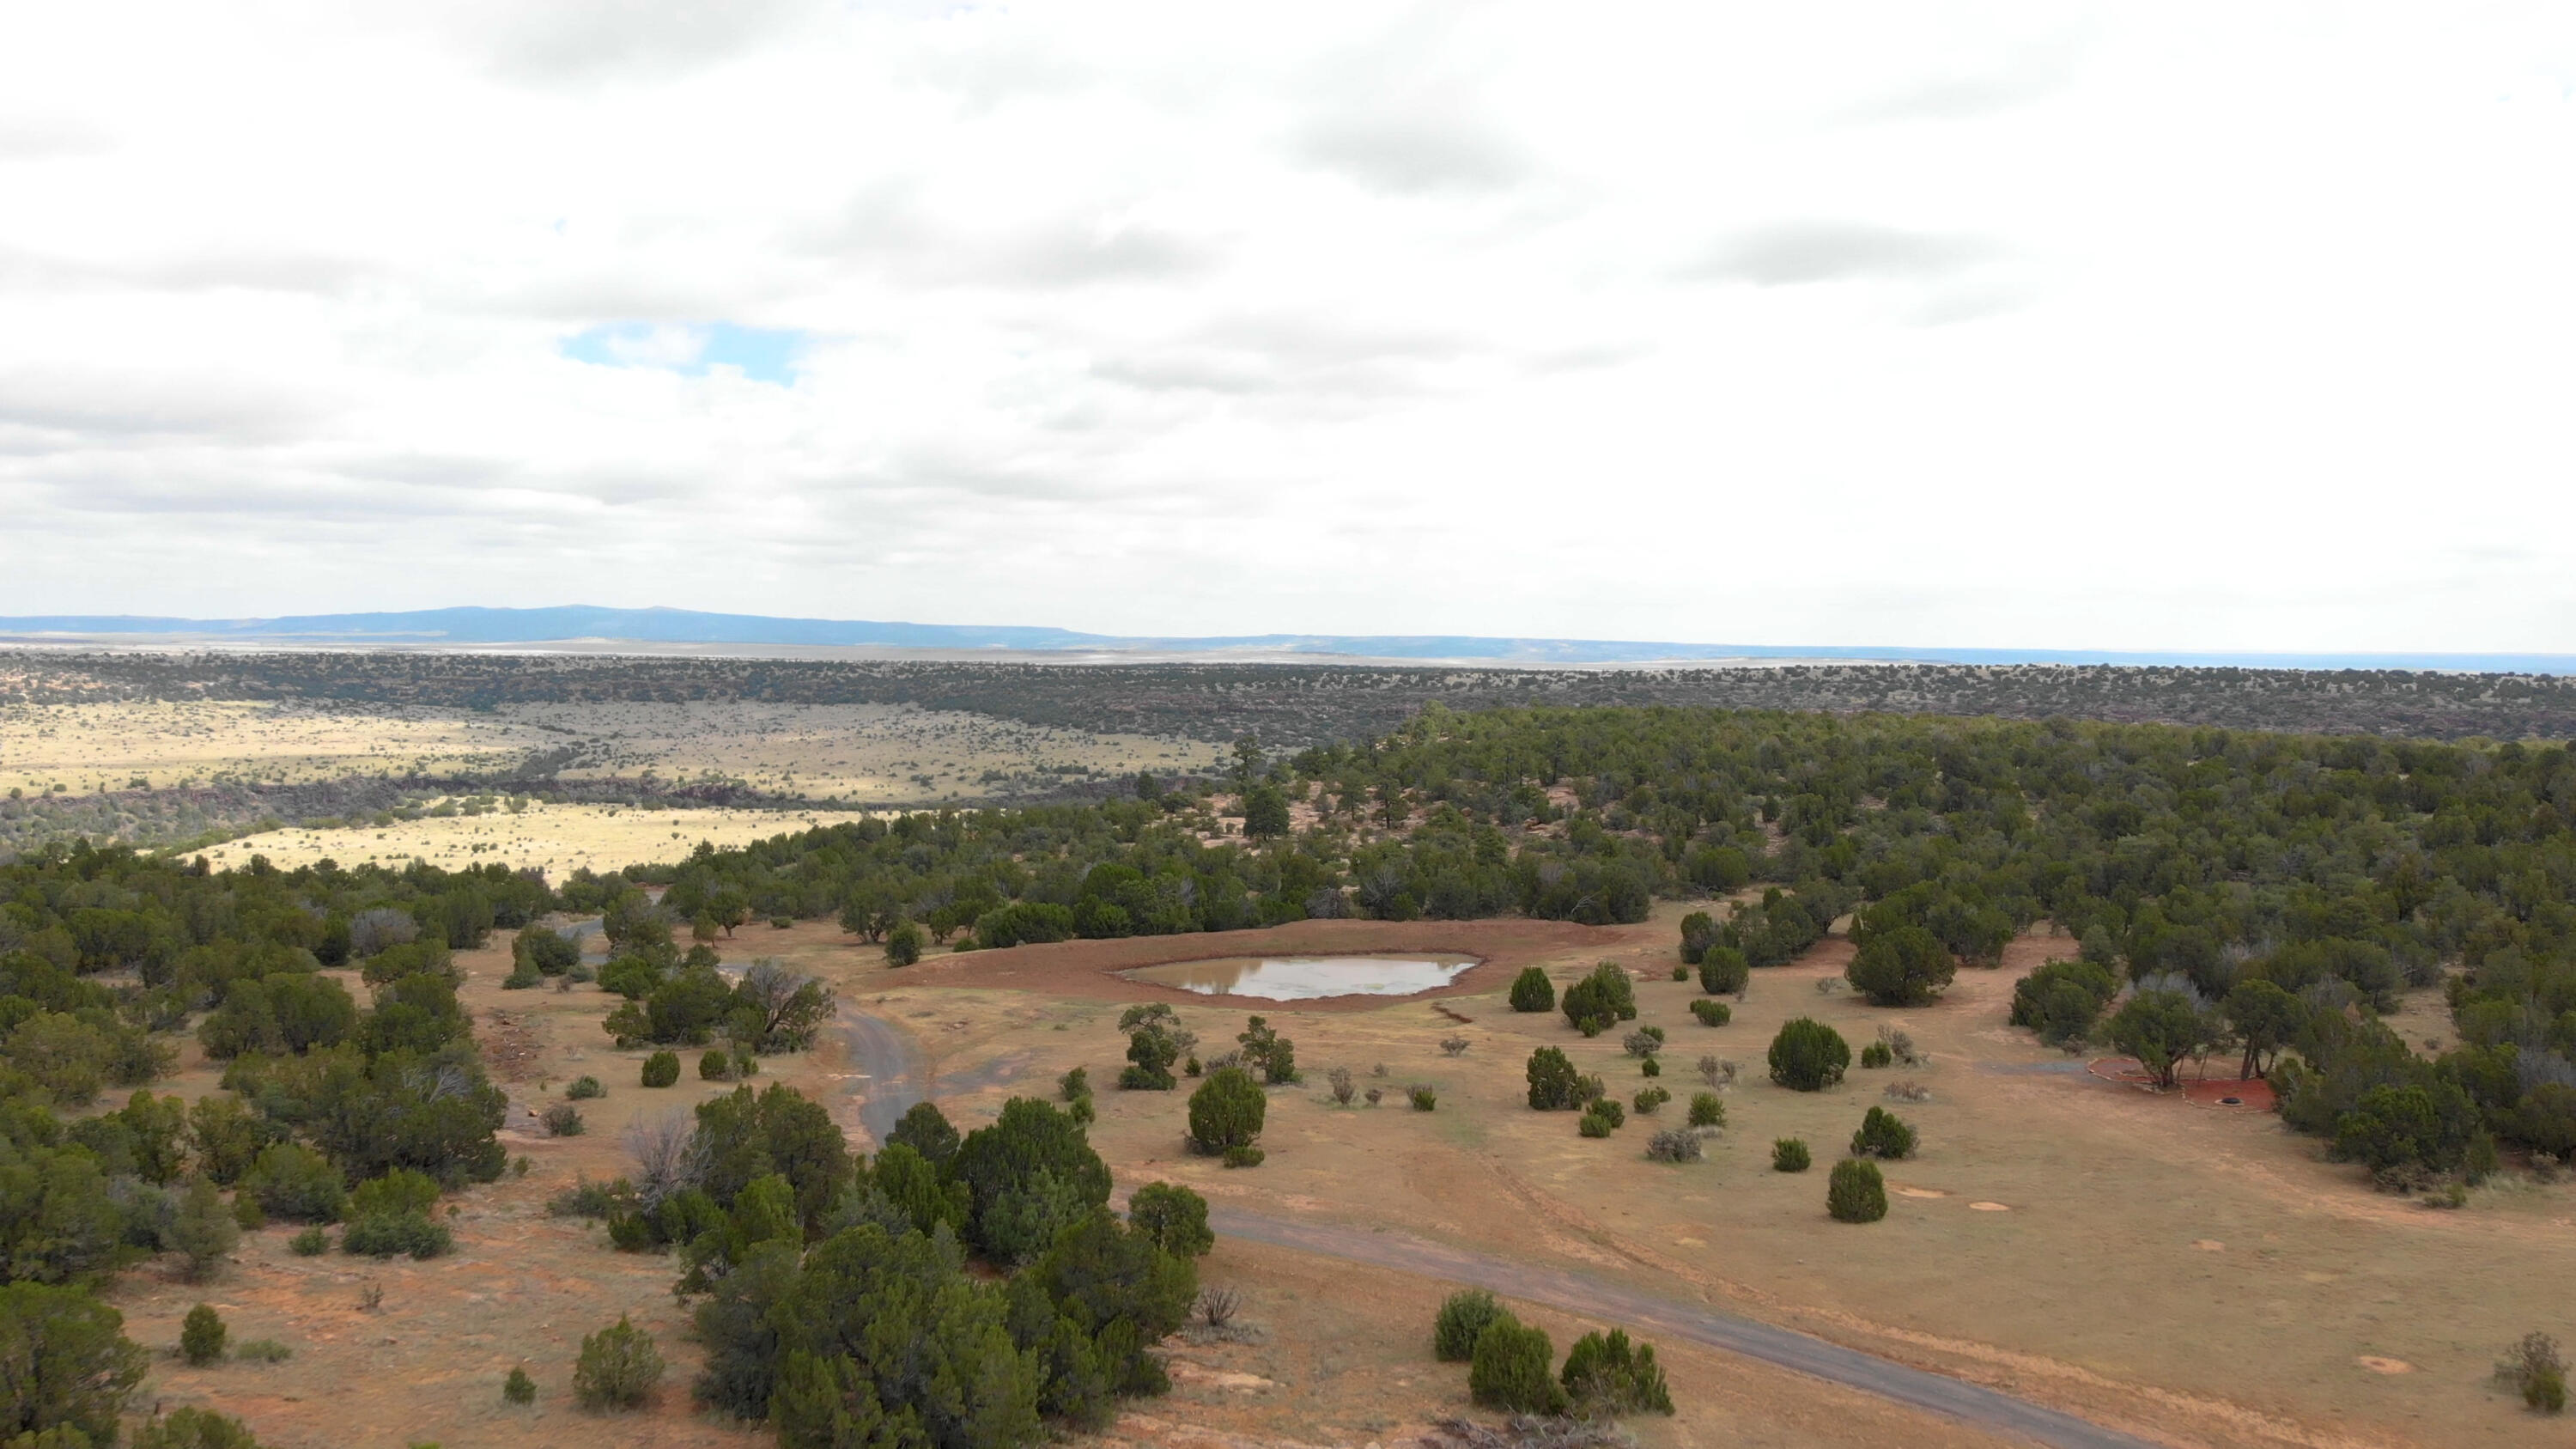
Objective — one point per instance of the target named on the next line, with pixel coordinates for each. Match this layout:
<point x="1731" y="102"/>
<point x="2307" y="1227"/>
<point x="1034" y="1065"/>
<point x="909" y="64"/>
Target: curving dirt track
<point x="893" y="1079"/>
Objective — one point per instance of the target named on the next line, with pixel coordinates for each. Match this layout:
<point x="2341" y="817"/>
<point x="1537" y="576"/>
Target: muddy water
<point x="1307" y="978"/>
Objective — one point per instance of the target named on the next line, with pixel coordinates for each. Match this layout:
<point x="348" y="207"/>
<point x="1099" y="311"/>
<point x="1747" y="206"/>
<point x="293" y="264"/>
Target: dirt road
<point x="894" y="1077"/>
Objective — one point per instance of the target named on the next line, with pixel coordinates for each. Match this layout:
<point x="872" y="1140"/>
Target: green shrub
<point x="1876" y="1055"/>
<point x="1554" y="1085"/>
<point x="190" y="1429"/>
<point x="1907" y="966"/>
<point x="716" y="1066"/>
<point x="2062" y="1000"/>
<point x="1608" y="1377"/>
<point x="386" y="1235"/>
<point x="203" y="1229"/>
<point x="1789" y="1154"/>
<point x="1883" y="1134"/>
<point x="202" y="1335"/>
<point x="398" y="1191"/>
<point x="903" y="944"/>
<point x="1227" y="1111"/>
<point x="1508" y="1370"/>
<point x="618" y="1367"/>
<point x="1601" y="999"/>
<point x="1647" y="1100"/>
<point x="1808" y="1056"/>
<point x="1595" y="1124"/>
<point x="926" y="1130"/>
<point x="1707" y="1109"/>
<point x="1424" y="1099"/>
<point x="292" y="1181"/>
<point x="1532" y="991"/>
<point x="1712" y="1013"/>
<point x="263" y="1350"/>
<point x="1699" y="932"/>
<point x="518" y="1388"/>
<point x="1174" y="1217"/>
<point x="1856" y="1193"/>
<point x="310" y="1243"/>
<point x="662" y="1069"/>
<point x="1608" y="1107"/>
<point x="584" y="1088"/>
<point x="1464" y="1315"/>
<point x="1243" y="1157"/>
<point x="1723" y="971"/>
<point x="1074" y="1085"/>
<point x="1651" y="1068"/>
<point x="562" y="1119"/>
<point x="1680" y="972"/>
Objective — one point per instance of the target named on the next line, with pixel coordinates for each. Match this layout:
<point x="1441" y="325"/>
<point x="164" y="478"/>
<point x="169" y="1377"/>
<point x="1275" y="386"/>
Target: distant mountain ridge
<point x="485" y="626"/>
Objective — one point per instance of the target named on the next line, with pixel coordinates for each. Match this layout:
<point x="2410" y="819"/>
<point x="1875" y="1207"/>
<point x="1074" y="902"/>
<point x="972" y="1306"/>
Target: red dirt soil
<point x="1088" y="968"/>
<point x="2252" y="1094"/>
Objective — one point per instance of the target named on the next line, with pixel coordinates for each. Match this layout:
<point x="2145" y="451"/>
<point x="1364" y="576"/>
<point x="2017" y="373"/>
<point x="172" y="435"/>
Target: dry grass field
<point x="856" y="753"/>
<point x="2195" y="1275"/>
<point x="552" y="837"/>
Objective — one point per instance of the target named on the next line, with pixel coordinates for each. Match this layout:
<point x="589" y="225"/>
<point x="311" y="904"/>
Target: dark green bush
<point x="310" y="1243"/>
<point x="1554" y="1085"/>
<point x="716" y="1066"/>
<point x="1509" y="1370"/>
<point x="1723" y="971"/>
<point x="1707" y="1109"/>
<point x="1856" y="1193"/>
<point x="1712" y="1013"/>
<point x="1808" y="1056"/>
<point x="1608" y="1377"/>
<point x="661" y="1069"/>
<point x="1882" y="1134"/>
<point x="1175" y="1218"/>
<point x="1907" y="966"/>
<point x="518" y="1388"/>
<point x="1876" y="1055"/>
<point x="1464" y="1315"/>
<point x="1603" y="998"/>
<point x="903" y="944"/>
<point x="1789" y="1154"/>
<point x="1424" y="1099"/>
<point x="1227" y="1110"/>
<point x="1532" y="991"/>
<point x="562" y="1119"/>
<point x="387" y="1235"/>
<point x="292" y="1181"/>
<point x="1650" y="1098"/>
<point x="2062" y="1000"/>
<point x="584" y="1088"/>
<point x="202" y="1336"/>
<point x="189" y="1429"/>
<point x="1243" y="1157"/>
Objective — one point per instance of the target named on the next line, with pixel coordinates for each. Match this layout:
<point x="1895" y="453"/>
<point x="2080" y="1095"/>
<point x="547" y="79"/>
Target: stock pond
<point x="1306" y="978"/>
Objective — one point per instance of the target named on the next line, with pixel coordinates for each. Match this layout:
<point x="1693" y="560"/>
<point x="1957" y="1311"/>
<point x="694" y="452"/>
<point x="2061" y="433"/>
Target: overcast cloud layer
<point x="2187" y="327"/>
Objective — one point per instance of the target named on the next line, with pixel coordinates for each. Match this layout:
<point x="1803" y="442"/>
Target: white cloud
<point x="1975" y="324"/>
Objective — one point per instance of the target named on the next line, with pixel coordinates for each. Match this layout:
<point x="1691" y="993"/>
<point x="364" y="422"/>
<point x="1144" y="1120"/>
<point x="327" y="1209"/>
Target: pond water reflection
<point x="1307" y="978"/>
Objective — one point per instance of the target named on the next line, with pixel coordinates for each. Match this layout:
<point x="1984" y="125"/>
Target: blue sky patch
<point x="763" y="354"/>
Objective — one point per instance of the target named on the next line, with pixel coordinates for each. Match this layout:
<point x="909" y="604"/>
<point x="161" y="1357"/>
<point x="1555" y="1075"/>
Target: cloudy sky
<point x="2177" y="326"/>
